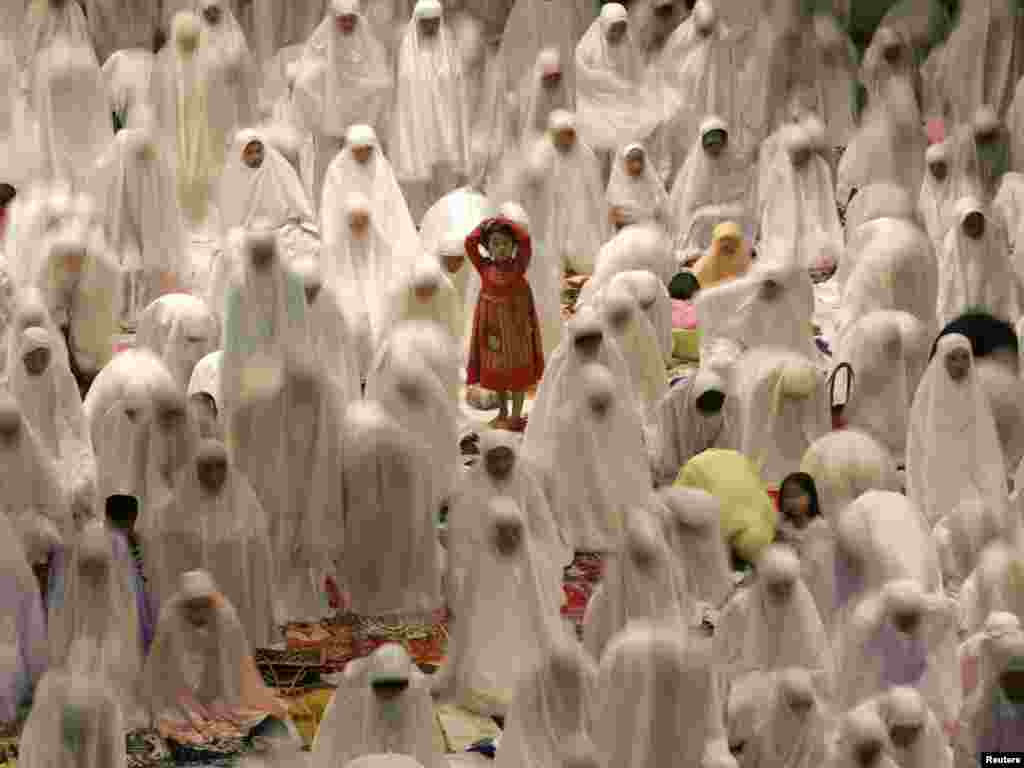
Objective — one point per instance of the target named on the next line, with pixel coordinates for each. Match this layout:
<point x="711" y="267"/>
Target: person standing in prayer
<point x="430" y="127"/>
<point x="343" y="79"/>
<point x="506" y="355"/>
<point x="635" y="194"/>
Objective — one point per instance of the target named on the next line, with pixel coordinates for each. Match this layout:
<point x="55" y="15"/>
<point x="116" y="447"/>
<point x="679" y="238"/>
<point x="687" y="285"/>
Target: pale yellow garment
<point x="715" y="267"/>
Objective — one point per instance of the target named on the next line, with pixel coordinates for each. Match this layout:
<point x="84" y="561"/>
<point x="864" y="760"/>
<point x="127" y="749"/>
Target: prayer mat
<point x="293" y="668"/>
<point x="425" y="642"/>
<point x="147" y="750"/>
<point x="334" y="636"/>
<point x="461" y="728"/>
<point x="579" y="582"/>
<point x="8" y="751"/>
<point x="307" y="711"/>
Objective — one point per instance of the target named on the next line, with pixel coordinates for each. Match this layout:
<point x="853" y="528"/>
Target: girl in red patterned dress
<point x="505" y="354"/>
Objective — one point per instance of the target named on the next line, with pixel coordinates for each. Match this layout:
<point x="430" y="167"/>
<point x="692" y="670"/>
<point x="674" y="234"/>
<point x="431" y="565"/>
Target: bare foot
<point x="499" y="422"/>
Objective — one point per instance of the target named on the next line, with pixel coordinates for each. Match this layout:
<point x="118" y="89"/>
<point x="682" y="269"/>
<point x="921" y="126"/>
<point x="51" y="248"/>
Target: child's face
<point x="589" y="346"/>
<point x="974" y="225"/>
<point x="616" y="32"/>
<point x="199" y="612"/>
<point x="389" y="690"/>
<point x="424" y="293"/>
<point x="551" y="80"/>
<point x="501" y="247"/>
<point x="347" y="23"/>
<point x="728" y="246"/>
<point x="634" y="164"/>
<point x="212" y="475"/>
<point x="212" y="15"/>
<point x="37" y="361"/>
<point x="906" y="622"/>
<point x="939" y="170"/>
<point x="904" y="736"/>
<point x="779" y="592"/>
<point x="796" y="506"/>
<point x="499" y="462"/>
<point x="507" y="539"/>
<point x="1012" y="682"/>
<point x="958" y="364"/>
<point x="453" y="263"/>
<point x="429" y="27"/>
<point x="362" y="153"/>
<point x="359" y="223"/>
<point x="565" y="139"/>
<point x="714" y="143"/>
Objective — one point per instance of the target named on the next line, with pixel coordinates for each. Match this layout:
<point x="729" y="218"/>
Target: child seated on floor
<point x="121" y="514"/>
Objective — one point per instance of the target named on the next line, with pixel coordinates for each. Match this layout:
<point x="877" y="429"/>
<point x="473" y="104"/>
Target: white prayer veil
<point x="997" y="585"/>
<point x="342" y="79"/>
<point x="989" y="721"/>
<point x="658" y="700"/>
<point x="791" y="723"/>
<point x="50" y="401"/>
<point x="977" y="272"/>
<point x="903" y="708"/>
<point x="641" y="582"/>
<point x="881" y="537"/>
<point x="635" y="336"/>
<point x="690" y="519"/>
<point x="783" y="408"/>
<point x="875" y="652"/>
<point x="359" y="722"/>
<point x="533" y="26"/>
<point x="271" y="193"/>
<point x="524" y="485"/>
<point x="95" y="629"/>
<point x="641" y="246"/>
<point x="799" y="202"/>
<point x="75" y="720"/>
<point x="881" y="396"/>
<point x="428" y="342"/>
<point x="845" y="464"/>
<point x="208" y="665"/>
<point x="134" y="186"/>
<point x="206" y="380"/>
<point x="934" y="199"/>
<point x="387" y="499"/>
<point x="117" y="27"/>
<point x="222" y="530"/>
<point x="636" y="199"/>
<point x="593" y="490"/>
<point x="181" y="330"/>
<point x="551" y="709"/>
<point x="772" y="625"/>
<point x="334" y="342"/>
<point x="442" y="308"/>
<point x="613" y="106"/>
<point x="771" y="305"/>
<point x="685" y="428"/>
<point x="997" y="625"/>
<point x="376" y="182"/>
<point x="505" y="622"/>
<point x="33" y="487"/>
<point x="70" y="99"/>
<point x="953" y="449"/>
<point x="651" y="294"/>
<point x="416" y="398"/>
<point x="127" y="73"/>
<point x="537" y="101"/>
<point x="561" y="380"/>
<point x="431" y="119"/>
<point x="574" y="221"/>
<point x="709" y="190"/>
<point x="860" y="730"/>
<point x="44" y="23"/>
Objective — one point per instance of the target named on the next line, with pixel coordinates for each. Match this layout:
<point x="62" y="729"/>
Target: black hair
<point x="806" y="484"/>
<point x="986" y="333"/>
<point x="7" y="194"/>
<point x="498" y="226"/>
<point x="683" y="286"/>
<point x="122" y="510"/>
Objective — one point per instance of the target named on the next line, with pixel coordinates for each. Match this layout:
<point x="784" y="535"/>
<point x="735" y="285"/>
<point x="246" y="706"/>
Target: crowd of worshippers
<point x="284" y="328"/>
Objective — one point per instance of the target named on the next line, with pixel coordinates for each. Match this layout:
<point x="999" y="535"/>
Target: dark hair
<point x="496" y="226"/>
<point x="122" y="510"/>
<point x="986" y="333"/>
<point x="7" y="194"/>
<point x="683" y="286"/>
<point x="806" y="484"/>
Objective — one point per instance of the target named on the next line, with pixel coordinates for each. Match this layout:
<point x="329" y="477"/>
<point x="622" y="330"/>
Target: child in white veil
<point x="792" y="723"/>
<point x="915" y="735"/>
<point x="182" y="330"/>
<point x="635" y="194"/>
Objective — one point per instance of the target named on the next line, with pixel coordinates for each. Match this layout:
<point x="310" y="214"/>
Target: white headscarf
<point x="358" y="722"/>
<point x="550" y="710"/>
<point x="996" y="585"/>
<point x="685" y="430"/>
<point x="224" y="532"/>
<point x="758" y="633"/>
<point x="76" y="719"/>
<point x="376" y="182"/>
<point x="387" y="499"/>
<point x="612" y="105"/>
<point x="786" y="736"/>
<point x="593" y="490"/>
<point x="70" y="99"/>
<point x="998" y="624"/>
<point x="537" y="102"/>
<point x="641" y="246"/>
<point x="651" y="294"/>
<point x="934" y="200"/>
<point x="504" y="624"/>
<point x="272" y="192"/>
<point x="860" y="729"/>
<point x="575" y="222"/>
<point x="883" y="389"/>
<point x="45" y="24"/>
<point x="342" y="79"/>
<point x="442" y="308"/>
<point x="180" y="329"/>
<point x="642" y="198"/>
<point x="50" y="402"/>
<point x="977" y="272"/>
<point x="873" y="654"/>
<point x="95" y="629"/>
<point x="127" y="74"/>
<point x="641" y="583"/>
<point x="431" y="345"/>
<point x="690" y="520"/>
<point x="988" y="722"/>
<point x="431" y="119"/>
<point x="709" y="190"/>
<point x="533" y="26"/>
<point x="115" y="27"/>
<point x="467" y="517"/>
<point x="658" y="700"/>
<point x="953" y="449"/>
<point x="206" y="379"/>
<point x="904" y="708"/>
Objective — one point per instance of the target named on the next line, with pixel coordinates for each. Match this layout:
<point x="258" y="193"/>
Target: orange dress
<point x="505" y="349"/>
